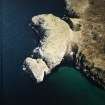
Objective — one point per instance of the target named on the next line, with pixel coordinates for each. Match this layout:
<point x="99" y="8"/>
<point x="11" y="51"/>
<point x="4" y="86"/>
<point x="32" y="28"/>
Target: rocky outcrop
<point x="56" y="42"/>
<point x="37" y="67"/>
<point x="79" y="37"/>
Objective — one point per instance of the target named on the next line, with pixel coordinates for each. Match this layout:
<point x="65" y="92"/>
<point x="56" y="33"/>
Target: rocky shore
<point x="95" y="75"/>
<point x="91" y="56"/>
<point x="78" y="38"/>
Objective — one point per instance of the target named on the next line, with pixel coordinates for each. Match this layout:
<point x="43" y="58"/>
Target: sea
<point x="66" y="86"/>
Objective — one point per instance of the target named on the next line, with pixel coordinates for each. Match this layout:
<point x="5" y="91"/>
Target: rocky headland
<point x="56" y="41"/>
<point x="78" y="37"/>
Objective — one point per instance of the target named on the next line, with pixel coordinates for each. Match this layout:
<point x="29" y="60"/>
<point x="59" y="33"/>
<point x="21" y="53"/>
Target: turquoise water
<point x="74" y="89"/>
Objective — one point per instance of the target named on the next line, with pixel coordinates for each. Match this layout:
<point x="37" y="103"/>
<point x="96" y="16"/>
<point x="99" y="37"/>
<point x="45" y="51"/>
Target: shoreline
<point x="89" y="74"/>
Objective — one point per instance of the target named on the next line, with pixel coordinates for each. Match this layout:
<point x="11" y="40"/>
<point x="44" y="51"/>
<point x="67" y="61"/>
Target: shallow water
<point x="65" y="87"/>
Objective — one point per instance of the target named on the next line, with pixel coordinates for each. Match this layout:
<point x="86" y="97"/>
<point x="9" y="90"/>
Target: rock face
<point x="57" y="40"/>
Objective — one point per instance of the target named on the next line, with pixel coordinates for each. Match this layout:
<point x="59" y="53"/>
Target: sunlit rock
<point x="56" y="42"/>
<point x="38" y="68"/>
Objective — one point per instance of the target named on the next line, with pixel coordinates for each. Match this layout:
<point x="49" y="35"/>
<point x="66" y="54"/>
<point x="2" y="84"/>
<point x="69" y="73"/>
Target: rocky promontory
<point x="56" y="41"/>
<point x="78" y="37"/>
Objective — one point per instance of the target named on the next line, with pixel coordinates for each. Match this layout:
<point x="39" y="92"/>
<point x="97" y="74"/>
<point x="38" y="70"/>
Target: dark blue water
<point x="65" y="87"/>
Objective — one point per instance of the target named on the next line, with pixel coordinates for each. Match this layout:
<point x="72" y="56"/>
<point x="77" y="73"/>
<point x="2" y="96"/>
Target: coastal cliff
<point x="79" y="36"/>
<point x="56" y="42"/>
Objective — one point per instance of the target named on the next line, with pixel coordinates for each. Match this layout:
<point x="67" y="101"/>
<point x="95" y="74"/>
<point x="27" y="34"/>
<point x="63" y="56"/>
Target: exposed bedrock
<point x="56" y="41"/>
